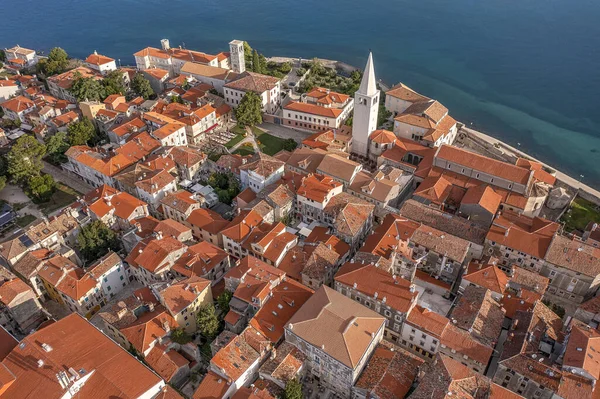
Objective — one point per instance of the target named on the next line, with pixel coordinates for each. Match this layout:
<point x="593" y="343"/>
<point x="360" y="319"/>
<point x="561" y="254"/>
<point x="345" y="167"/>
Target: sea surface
<point x="524" y="71"/>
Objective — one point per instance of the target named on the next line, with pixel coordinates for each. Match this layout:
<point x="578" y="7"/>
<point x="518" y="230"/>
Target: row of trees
<point x="90" y="89"/>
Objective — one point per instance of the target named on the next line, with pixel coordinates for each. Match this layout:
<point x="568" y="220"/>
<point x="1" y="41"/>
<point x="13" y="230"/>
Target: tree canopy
<point x="207" y="321"/>
<point x="249" y="112"/>
<point x="25" y="159"/>
<point x="81" y="132"/>
<point x="226" y="186"/>
<point x="223" y="300"/>
<point x="96" y="239"/>
<point x="56" y="146"/>
<point x="290" y="145"/>
<point x="180" y="336"/>
<point x="113" y="83"/>
<point x="293" y="390"/>
<point x="57" y="62"/>
<point x="141" y="86"/>
<point x="87" y="89"/>
<point x="41" y="187"/>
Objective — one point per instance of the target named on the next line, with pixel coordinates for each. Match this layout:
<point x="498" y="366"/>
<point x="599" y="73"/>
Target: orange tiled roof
<point x="179" y="295"/>
<point x="370" y="280"/>
<point x="284" y="302"/>
<point x="87" y="350"/>
<point x="97" y="59"/>
<point x="488" y="165"/>
<point x="487" y="276"/>
<point x="529" y="235"/>
<point x="349" y="325"/>
<point x="18" y="104"/>
<point x="313" y="109"/>
<point x="427" y="321"/>
<point x="208" y="220"/>
<point x="149" y="328"/>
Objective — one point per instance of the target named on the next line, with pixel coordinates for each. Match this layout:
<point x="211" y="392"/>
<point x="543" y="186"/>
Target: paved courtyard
<point x="284" y="132"/>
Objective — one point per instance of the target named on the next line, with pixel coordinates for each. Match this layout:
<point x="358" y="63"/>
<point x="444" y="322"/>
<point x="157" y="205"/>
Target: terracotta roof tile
<point x="349" y="323"/>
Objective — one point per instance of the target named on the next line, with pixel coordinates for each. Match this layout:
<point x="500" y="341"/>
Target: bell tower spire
<point x="366" y="109"/>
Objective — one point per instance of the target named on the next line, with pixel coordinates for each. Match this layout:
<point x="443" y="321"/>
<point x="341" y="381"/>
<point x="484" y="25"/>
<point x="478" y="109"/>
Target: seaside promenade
<point x="577" y="184"/>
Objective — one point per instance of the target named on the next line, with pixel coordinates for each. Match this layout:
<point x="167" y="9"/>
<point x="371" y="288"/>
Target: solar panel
<point x="25" y="240"/>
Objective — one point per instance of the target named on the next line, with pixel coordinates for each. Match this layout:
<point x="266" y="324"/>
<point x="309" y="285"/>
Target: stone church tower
<point x="236" y="50"/>
<point x="366" y="108"/>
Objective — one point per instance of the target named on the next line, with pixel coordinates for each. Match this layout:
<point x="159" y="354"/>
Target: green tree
<point x="87" y="89"/>
<point x="247" y="54"/>
<point x="41" y="187"/>
<point x="176" y="99"/>
<point x="255" y="62"/>
<point x="96" y="239"/>
<point x="2" y="55"/>
<point x="80" y="133"/>
<point x="2" y="182"/>
<point x="180" y="336"/>
<point x="113" y="83"/>
<point x="56" y="146"/>
<point x="290" y="145"/>
<point x="226" y="186"/>
<point x="293" y="390"/>
<point x="207" y="321"/>
<point x="223" y="300"/>
<point x="141" y="86"/>
<point x="25" y="159"/>
<point x="286" y="67"/>
<point x="356" y="76"/>
<point x="57" y="62"/>
<point x="249" y="112"/>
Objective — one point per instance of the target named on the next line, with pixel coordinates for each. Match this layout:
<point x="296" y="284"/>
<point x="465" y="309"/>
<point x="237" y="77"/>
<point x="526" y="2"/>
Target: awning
<point x="211" y="128"/>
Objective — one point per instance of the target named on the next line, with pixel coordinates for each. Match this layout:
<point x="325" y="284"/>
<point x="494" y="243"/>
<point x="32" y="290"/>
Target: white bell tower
<point x="236" y="50"/>
<point x="366" y="109"/>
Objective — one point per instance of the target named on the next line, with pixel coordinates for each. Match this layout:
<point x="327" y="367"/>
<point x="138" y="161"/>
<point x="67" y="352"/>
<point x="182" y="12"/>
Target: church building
<point x="366" y="107"/>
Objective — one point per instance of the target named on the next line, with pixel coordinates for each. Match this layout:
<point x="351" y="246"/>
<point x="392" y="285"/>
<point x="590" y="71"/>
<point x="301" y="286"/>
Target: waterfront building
<point x="20" y="57"/>
<point x="171" y="59"/>
<point x="101" y="63"/>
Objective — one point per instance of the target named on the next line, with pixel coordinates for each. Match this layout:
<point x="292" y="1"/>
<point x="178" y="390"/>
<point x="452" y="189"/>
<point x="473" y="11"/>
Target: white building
<point x="171" y="134"/>
<point x="20" y="57"/>
<point x="101" y="63"/>
<point x="8" y="88"/>
<point x="261" y="173"/>
<point x="366" y="109"/>
<point x="171" y="59"/>
<point x="110" y="273"/>
<point x="268" y="89"/>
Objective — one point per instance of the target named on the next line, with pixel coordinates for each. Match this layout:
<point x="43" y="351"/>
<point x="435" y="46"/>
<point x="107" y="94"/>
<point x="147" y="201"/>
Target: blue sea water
<point x="525" y="71"/>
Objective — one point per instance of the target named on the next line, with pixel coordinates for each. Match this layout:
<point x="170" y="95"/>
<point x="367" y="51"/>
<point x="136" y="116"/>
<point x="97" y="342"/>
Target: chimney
<point x="166" y="326"/>
<point x="95" y="52"/>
